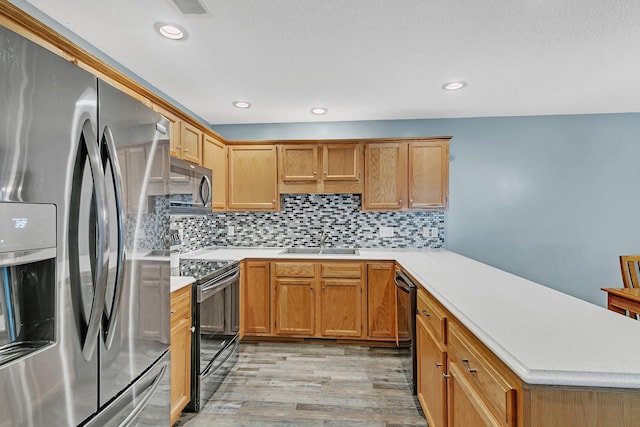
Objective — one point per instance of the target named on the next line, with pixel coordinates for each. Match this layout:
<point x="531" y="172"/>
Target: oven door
<point x="215" y="349"/>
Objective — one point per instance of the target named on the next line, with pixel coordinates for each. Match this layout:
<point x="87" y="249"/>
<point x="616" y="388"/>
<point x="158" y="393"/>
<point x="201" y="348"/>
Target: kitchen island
<point x="549" y="340"/>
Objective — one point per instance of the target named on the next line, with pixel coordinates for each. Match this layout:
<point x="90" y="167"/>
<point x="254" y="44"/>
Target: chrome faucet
<point x="323" y="238"/>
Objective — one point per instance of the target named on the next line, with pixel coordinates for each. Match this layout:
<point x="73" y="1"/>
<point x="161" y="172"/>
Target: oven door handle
<point x="406" y="285"/>
<point x="206" y="291"/>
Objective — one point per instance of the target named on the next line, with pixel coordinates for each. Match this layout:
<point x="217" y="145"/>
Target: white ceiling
<point x="375" y="59"/>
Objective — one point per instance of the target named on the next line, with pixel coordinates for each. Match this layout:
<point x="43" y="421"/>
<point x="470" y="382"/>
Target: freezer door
<point x="145" y="403"/>
<point x="135" y="325"/>
<point x="47" y="115"/>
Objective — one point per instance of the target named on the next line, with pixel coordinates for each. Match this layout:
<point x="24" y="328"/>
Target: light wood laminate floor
<point x="310" y="384"/>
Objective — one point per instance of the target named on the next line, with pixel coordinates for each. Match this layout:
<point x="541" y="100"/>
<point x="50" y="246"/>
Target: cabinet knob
<point x="186" y="150"/>
<point x="425" y="313"/>
<point x="273" y="201"/>
<point x="179" y="147"/>
<point x="445" y="376"/>
<point x="193" y="329"/>
<point x="410" y="200"/>
<point x="315" y="173"/>
<point x="325" y="173"/>
<point x="438" y="365"/>
<point x="400" y="201"/>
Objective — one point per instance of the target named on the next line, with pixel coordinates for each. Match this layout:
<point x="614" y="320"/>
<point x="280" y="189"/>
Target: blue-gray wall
<point x="554" y="199"/>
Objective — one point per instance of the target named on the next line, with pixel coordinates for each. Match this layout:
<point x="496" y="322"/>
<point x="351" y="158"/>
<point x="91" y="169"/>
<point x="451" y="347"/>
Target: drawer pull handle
<point x="466" y="365"/>
<point x="438" y="365"/>
<point x="425" y="313"/>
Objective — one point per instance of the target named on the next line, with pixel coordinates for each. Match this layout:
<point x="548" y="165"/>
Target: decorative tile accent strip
<point x="301" y="221"/>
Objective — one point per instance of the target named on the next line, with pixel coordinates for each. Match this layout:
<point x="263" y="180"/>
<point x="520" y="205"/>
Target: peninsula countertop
<point x="543" y="335"/>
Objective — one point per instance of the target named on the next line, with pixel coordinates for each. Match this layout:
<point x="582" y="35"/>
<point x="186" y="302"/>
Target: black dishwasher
<point x="407" y="289"/>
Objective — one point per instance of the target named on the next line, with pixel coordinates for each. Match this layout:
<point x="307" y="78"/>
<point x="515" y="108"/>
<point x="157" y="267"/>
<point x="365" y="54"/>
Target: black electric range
<point x="205" y="270"/>
<point x="216" y="324"/>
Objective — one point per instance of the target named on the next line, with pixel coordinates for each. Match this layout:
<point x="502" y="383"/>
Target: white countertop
<point x="179" y="282"/>
<point x="544" y="336"/>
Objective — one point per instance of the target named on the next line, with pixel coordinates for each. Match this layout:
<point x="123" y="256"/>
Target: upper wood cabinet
<point x="320" y="168"/>
<point x="214" y="157"/>
<point x="428" y="174"/>
<point x="253" y="177"/>
<point x="385" y="184"/>
<point x="190" y="143"/>
<point x="407" y="175"/>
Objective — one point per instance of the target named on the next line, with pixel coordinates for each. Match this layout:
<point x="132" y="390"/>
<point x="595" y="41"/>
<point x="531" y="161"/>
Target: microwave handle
<point x="205" y="197"/>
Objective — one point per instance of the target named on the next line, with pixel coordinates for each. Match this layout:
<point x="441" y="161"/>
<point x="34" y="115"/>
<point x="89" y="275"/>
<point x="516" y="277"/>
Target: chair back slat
<point x="630" y="266"/>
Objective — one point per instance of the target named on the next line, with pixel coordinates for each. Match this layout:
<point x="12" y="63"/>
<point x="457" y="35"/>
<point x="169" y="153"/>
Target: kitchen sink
<point x="158" y="252"/>
<point x="339" y="251"/>
<point x="323" y="251"/>
<point x="301" y="251"/>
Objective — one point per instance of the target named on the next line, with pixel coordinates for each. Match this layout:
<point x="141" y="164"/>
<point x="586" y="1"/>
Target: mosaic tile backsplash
<point x="301" y="221"/>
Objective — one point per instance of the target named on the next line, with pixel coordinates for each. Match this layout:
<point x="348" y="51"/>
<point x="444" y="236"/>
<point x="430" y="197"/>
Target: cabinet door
<point x="385" y="184"/>
<point x="341" y="162"/>
<point x="180" y="351"/>
<point x="253" y="178"/>
<point x="294" y="306"/>
<point x="150" y="295"/>
<point x="432" y="386"/>
<point x="340" y="308"/>
<point x="428" y="174"/>
<point x="191" y="143"/>
<point x="465" y="406"/>
<point x="381" y="301"/>
<point x="299" y="162"/>
<point x="256" y="298"/>
<point x="214" y="157"/>
<point x="180" y="367"/>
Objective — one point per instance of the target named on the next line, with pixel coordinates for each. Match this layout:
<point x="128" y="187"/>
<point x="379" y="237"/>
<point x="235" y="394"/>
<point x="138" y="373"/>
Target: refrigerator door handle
<point x="88" y="149"/>
<point x="109" y="153"/>
<point x="205" y="183"/>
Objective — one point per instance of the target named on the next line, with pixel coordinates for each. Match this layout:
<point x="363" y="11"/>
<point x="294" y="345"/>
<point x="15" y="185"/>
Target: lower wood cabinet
<point x="341" y="299"/>
<point x="180" y="351"/>
<point x="294" y="306"/>
<point x="381" y="301"/>
<point x="255" y="298"/>
<point x="318" y="299"/>
<point x="432" y="368"/>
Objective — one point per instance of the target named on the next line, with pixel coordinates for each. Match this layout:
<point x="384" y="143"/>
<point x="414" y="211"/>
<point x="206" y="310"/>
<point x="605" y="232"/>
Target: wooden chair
<point x="630" y="267"/>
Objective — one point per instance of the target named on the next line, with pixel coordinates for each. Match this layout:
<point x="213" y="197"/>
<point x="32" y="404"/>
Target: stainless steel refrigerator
<point x="84" y="324"/>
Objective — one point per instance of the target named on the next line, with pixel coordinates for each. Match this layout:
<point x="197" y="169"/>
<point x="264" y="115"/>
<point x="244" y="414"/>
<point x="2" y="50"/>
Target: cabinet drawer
<point x="181" y="304"/>
<point x="479" y="367"/>
<point x="350" y="270"/>
<point x="294" y="269"/>
<point x="434" y="317"/>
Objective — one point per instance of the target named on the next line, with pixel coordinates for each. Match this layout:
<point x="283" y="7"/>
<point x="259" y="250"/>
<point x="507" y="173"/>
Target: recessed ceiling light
<point x="242" y="104"/>
<point x="319" y="110"/>
<point x="454" y="85"/>
<point x="170" y="31"/>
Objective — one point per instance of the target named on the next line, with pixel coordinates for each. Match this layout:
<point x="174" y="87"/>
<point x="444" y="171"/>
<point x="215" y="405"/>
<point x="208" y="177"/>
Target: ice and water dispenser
<point x="27" y="278"/>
